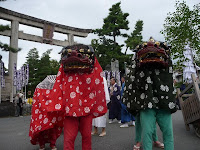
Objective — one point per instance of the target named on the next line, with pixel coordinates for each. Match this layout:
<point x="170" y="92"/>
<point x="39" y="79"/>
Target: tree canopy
<point x="39" y="68"/>
<point x="107" y="47"/>
<point x="33" y="60"/>
<point x="181" y="28"/>
<point x="114" y="23"/>
<point x="136" y="36"/>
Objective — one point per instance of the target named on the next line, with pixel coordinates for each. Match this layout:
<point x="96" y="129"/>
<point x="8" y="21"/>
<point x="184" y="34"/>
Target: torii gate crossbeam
<point x="14" y="34"/>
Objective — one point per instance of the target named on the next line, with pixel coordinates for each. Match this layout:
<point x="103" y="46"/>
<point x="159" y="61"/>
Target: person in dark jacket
<point x="19" y="102"/>
<point x="125" y="115"/>
<point x="114" y="105"/>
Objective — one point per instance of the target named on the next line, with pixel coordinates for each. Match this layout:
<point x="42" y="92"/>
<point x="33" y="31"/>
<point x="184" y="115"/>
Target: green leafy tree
<point x="44" y="64"/>
<point x="47" y="66"/>
<point x="105" y="52"/>
<point x="4" y="27"/>
<point x="33" y="60"/>
<point x="106" y="46"/>
<point x="54" y="65"/>
<point x="136" y="36"/>
<point x="39" y="68"/>
<point x="180" y="28"/>
<point x="114" y="23"/>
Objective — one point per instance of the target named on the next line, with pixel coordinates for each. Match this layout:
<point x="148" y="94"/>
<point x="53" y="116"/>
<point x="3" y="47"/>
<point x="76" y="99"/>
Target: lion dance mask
<point x="152" y="53"/>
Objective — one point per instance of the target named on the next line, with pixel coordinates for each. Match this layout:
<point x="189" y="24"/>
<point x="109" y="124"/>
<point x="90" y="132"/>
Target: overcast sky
<point x="87" y="14"/>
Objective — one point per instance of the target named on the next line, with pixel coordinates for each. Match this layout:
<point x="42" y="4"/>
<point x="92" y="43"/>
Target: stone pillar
<point x="0" y="81"/>
<point x="71" y="39"/>
<point x="13" y="56"/>
<point x="114" y="65"/>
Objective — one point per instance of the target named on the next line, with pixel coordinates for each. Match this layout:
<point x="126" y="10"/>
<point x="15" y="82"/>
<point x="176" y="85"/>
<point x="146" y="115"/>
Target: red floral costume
<point x="73" y="95"/>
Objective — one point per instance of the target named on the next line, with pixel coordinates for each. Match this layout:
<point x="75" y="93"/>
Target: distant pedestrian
<point x="16" y="101"/>
<point x="20" y="104"/>
<point x="125" y="115"/>
<point x="114" y="105"/>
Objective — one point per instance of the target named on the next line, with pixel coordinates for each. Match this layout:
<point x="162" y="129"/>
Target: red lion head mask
<point x="77" y="58"/>
<point x="152" y="53"/>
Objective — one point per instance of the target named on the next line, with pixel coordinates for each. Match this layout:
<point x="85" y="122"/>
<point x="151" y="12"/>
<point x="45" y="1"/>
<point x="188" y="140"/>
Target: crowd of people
<point x="117" y="110"/>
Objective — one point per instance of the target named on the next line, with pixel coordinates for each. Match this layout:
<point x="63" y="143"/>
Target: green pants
<point x="138" y="130"/>
<point x="148" y="120"/>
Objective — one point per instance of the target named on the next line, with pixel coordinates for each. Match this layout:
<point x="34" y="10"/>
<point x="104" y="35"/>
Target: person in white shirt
<point x="100" y="122"/>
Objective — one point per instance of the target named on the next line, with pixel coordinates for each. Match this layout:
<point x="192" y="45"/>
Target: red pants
<point x="71" y="127"/>
<point x="47" y="136"/>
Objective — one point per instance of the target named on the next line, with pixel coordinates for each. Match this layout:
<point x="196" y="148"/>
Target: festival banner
<point x="15" y="75"/>
<point x="113" y="74"/>
<point x="23" y="76"/>
<point x="108" y="78"/>
<point x="104" y="74"/>
<point x="19" y="79"/>
<point x="118" y="78"/>
<point x="27" y="74"/>
<point x="2" y="75"/>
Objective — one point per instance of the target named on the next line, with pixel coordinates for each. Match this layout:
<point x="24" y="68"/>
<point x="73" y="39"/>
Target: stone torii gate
<point x="48" y="29"/>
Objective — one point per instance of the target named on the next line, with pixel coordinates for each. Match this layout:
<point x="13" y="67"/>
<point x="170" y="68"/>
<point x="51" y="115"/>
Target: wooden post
<point x="181" y="104"/>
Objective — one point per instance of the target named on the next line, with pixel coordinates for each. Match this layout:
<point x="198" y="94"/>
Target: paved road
<point x="14" y="136"/>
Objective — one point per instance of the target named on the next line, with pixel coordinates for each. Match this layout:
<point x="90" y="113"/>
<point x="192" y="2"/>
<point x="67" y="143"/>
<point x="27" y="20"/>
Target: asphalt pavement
<point x="14" y="136"/>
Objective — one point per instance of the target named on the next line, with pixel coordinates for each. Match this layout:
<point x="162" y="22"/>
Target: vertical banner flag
<point x="104" y="74"/>
<point x="23" y="76"/>
<point x="19" y="79"/>
<point x="113" y="74"/>
<point x="2" y="75"/>
<point x="17" y="72"/>
<point x="27" y="74"/>
<point x="15" y="75"/>
<point x="118" y="78"/>
<point x="108" y="79"/>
